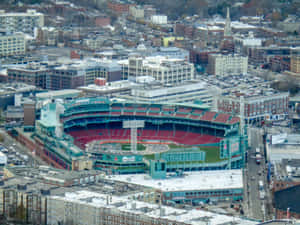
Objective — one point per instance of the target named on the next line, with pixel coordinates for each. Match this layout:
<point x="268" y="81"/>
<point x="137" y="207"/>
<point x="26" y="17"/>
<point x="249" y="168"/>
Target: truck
<point x="262" y="195"/>
<point x="258" y="158"/>
<point x="261" y="185"/>
<point x="257" y="151"/>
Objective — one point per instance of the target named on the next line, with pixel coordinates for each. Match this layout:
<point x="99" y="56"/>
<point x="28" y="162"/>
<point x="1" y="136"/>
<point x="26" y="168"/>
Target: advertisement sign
<point x="234" y="146"/>
<point x="128" y="159"/>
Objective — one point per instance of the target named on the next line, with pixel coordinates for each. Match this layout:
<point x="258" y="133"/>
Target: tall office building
<point x="12" y="44"/>
<point x="163" y="69"/>
<point x="24" y="22"/>
<point x="224" y="65"/>
<point x="295" y="60"/>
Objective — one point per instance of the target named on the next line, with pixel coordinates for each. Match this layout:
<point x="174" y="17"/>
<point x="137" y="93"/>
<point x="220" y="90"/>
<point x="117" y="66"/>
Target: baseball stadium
<point x="121" y="137"/>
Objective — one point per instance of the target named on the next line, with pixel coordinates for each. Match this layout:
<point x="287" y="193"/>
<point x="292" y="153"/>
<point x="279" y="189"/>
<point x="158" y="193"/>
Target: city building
<point x="45" y="195"/>
<point x="94" y="43"/>
<point x="257" y="106"/>
<point x="261" y="55"/>
<point x="82" y="72"/>
<point x="29" y="113"/>
<point x="159" y="19"/>
<point x="102" y="21"/>
<point x="295" y="60"/>
<point x="69" y="75"/>
<point x="193" y="187"/>
<point x="25" y="22"/>
<point x="12" y="44"/>
<point x="188" y="92"/>
<point x="287" y="204"/>
<point x="172" y="52"/>
<point x="14" y="113"/>
<point x="25" y="190"/>
<point x="110" y="70"/>
<point x="119" y="6"/>
<point x="137" y="12"/>
<point x="115" y="88"/>
<point x="282" y="152"/>
<point x="65" y="77"/>
<point x="223" y="65"/>
<point x="32" y="74"/>
<point x="47" y="36"/>
<point x="9" y="90"/>
<point x="149" y="11"/>
<point x="89" y="207"/>
<point x="163" y="69"/>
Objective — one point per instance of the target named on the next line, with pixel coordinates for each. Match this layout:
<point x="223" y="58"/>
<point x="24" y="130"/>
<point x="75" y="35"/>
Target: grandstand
<point x="186" y="129"/>
<point x="173" y="124"/>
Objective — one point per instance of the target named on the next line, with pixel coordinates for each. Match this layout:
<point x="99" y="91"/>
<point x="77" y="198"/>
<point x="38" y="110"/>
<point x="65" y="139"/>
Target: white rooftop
<point x="201" y="180"/>
<point x="155" y="61"/>
<point x="276" y="153"/>
<point x="29" y="12"/>
<point x="192" y="216"/>
<point x="162" y="91"/>
<point x="57" y="94"/>
<point x="111" y="86"/>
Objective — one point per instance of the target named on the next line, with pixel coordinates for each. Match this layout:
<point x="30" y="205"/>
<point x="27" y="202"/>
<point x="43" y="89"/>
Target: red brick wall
<point x="118" y="7"/>
<point x="102" y="21"/>
<point x="281" y="185"/>
<point x="282" y="214"/>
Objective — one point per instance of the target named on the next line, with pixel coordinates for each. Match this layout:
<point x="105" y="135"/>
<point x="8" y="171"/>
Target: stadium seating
<point x="81" y="137"/>
<point x="142" y="109"/>
<point x="154" y="109"/>
<point x="208" y="116"/>
<point x="194" y="117"/>
<point x="181" y="115"/>
<point x="197" y="111"/>
<point x="222" y="118"/>
<point x="140" y="113"/>
<point x="183" y="110"/>
<point x="234" y="120"/>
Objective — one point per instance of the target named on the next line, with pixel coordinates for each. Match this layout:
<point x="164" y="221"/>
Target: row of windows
<point x="208" y="193"/>
<point x="12" y="39"/>
<point x="201" y="193"/>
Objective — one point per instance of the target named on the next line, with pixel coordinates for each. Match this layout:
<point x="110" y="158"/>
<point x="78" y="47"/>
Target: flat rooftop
<point x="123" y="204"/>
<point x="276" y="153"/>
<point x="201" y="180"/>
<point x="58" y="94"/>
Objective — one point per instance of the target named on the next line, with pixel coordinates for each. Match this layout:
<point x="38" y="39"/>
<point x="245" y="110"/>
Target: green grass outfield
<point x="212" y="153"/>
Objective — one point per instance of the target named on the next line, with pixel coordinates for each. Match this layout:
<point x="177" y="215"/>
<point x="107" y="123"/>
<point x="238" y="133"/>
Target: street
<point x="256" y="196"/>
<point x="17" y="151"/>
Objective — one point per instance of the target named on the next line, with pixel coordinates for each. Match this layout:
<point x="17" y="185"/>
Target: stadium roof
<point x="201" y="180"/>
<point x="106" y="100"/>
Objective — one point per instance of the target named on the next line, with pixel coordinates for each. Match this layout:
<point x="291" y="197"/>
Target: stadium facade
<point x="88" y="134"/>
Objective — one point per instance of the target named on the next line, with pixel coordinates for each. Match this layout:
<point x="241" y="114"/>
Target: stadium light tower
<point x="133" y="125"/>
